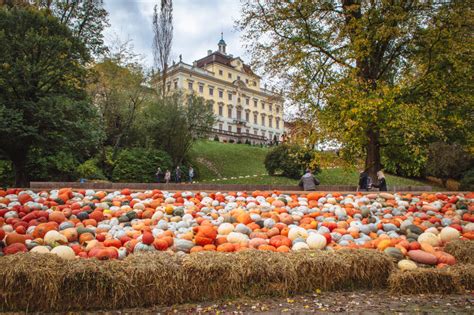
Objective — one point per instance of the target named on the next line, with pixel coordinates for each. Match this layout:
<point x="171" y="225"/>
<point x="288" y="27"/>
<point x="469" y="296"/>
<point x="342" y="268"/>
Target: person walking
<point x="382" y="183"/>
<point x="308" y="181"/>
<point x="363" y="181"/>
<point x="177" y="175"/>
<point x="167" y="176"/>
<point x="159" y="175"/>
<point x="190" y="174"/>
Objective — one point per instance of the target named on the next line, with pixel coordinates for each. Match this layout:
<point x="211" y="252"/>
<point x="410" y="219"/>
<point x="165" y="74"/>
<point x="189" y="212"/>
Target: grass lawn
<point x="225" y="162"/>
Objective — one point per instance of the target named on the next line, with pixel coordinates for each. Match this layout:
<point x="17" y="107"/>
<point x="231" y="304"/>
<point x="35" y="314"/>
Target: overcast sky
<point x="197" y="26"/>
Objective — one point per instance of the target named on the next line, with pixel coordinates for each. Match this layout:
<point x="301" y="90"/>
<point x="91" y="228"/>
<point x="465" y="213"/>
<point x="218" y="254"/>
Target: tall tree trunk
<point x="163" y="77"/>
<point x="372" y="160"/>
<point x="21" y="176"/>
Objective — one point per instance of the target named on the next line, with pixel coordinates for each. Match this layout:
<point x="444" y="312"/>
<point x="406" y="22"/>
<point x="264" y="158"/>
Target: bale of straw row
<point x="462" y="250"/>
<point x="423" y="280"/>
<point x="36" y="282"/>
<point x="465" y="273"/>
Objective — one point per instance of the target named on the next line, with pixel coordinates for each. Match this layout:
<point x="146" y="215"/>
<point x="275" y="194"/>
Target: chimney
<point x="195" y="63"/>
<point x="209" y="52"/>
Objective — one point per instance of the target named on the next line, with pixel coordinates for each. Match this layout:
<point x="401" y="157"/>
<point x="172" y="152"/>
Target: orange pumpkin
<point x="226" y="247"/>
<point x="267" y="247"/>
<point x="160" y="244"/>
<point x="280" y="240"/>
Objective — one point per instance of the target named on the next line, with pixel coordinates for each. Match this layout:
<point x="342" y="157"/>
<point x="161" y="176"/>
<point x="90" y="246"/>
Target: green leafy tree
<point x="174" y="122"/>
<point x="42" y="102"/>
<point x="374" y="73"/>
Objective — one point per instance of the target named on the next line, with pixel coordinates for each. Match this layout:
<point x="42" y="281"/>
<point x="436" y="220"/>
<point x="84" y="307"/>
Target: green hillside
<point x="228" y="163"/>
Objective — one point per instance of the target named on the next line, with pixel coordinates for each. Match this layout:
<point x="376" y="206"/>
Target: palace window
<point x="221" y="72"/>
<point x="190" y="86"/>
<point x="238" y="77"/>
<point x="221" y="94"/>
<point x="229" y="75"/>
<point x="255" y="119"/>
<point x="247" y="101"/>
<point x="239" y="114"/>
<point x="201" y="88"/>
<point x="221" y="110"/>
<point x="255" y="102"/>
<point x="229" y="128"/>
<point x="278" y="109"/>
<point x="230" y="96"/>
<point x="263" y="120"/>
<point x="278" y="123"/>
<point x="247" y="81"/>
<point x="247" y="131"/>
<point x="211" y="91"/>
<point x="239" y="130"/>
<point x="270" y="122"/>
<point x="270" y="106"/>
<point x="220" y="127"/>
<point x="247" y="116"/>
<point x="263" y="105"/>
<point x="175" y="85"/>
<point x="229" y="112"/>
<point x="263" y="133"/>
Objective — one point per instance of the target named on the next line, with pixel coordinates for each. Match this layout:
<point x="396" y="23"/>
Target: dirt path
<point x="331" y="302"/>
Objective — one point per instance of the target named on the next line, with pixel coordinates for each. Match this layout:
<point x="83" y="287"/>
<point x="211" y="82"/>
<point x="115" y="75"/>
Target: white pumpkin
<point x="225" y="229"/>
<point x="432" y="230"/>
<point x="297" y="232"/>
<point x="235" y="237"/>
<point x="54" y="237"/>
<point x="300" y="246"/>
<point x="406" y="264"/>
<point x="40" y="250"/>
<point x="449" y="234"/>
<point x="428" y="238"/>
<point x="316" y="241"/>
<point x="64" y="252"/>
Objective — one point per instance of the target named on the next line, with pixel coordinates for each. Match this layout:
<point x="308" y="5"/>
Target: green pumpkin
<point x="178" y="211"/>
<point x="131" y="215"/>
<point x="395" y="253"/>
<point x="82" y="230"/>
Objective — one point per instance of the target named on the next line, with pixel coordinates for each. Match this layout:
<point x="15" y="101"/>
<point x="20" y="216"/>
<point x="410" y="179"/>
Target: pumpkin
<point x="2" y="234"/>
<point x="225" y="228"/>
<point x="226" y="247"/>
<point x="182" y="245"/>
<point x="71" y="234"/>
<point x="267" y="248"/>
<point x="316" y="241"/>
<point x="297" y="232"/>
<point x="40" y="250"/>
<point x="65" y="252"/>
<point x="13" y="238"/>
<point x="147" y="238"/>
<point x="57" y="216"/>
<point x="280" y="240"/>
<point x="406" y="264"/>
<point x="85" y="237"/>
<point x="43" y="228"/>
<point x="140" y="247"/>
<point x="160" y="244"/>
<point x="54" y="237"/>
<point x="395" y="253"/>
<point x="429" y="238"/>
<point x="256" y="242"/>
<point x="445" y="258"/>
<point x="422" y="257"/>
<point x="283" y="249"/>
<point x="15" y="248"/>
<point x="238" y="238"/>
<point x="300" y="246"/>
<point x="449" y="234"/>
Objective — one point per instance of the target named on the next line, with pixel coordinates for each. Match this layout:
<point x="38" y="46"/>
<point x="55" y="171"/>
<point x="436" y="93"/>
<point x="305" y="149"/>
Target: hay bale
<point x="368" y="269"/>
<point x="30" y="281"/>
<point x="465" y="272"/>
<point x="211" y="275"/>
<point x="424" y="281"/>
<point x="462" y="250"/>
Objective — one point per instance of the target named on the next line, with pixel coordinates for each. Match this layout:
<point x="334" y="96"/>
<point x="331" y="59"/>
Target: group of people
<point x="308" y="182"/>
<point x="178" y="175"/>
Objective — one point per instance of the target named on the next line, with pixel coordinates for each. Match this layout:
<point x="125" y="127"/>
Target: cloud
<point x="197" y="26"/>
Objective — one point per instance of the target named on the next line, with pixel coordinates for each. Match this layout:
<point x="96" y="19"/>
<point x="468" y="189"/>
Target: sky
<point x="197" y="27"/>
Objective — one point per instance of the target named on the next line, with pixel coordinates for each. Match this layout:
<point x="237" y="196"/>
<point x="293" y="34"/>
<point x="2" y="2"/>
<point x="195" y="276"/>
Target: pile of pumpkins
<point x="95" y="224"/>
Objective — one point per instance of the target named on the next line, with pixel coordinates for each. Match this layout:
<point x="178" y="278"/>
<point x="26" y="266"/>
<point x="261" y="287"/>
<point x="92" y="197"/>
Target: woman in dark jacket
<point x="382" y="184"/>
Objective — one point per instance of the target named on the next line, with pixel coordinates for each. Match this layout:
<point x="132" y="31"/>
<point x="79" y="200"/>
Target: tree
<point x="86" y="18"/>
<point x="176" y="121"/>
<point x="163" y="38"/>
<point x="42" y="102"/>
<point x="353" y="62"/>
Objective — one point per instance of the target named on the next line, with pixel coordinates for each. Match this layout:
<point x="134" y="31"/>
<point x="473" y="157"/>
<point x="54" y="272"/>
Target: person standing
<point x="363" y="181"/>
<point x="308" y="181"/>
<point x="159" y="175"/>
<point x="177" y="175"/>
<point x="167" y="176"/>
<point x="381" y="184"/>
<point x="190" y="174"/>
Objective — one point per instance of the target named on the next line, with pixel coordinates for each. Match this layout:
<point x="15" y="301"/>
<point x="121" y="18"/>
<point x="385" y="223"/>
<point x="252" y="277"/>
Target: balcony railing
<point x="238" y="135"/>
<point x="240" y="121"/>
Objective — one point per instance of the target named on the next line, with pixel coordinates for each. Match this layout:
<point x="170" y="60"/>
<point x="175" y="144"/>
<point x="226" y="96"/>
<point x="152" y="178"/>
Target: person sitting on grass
<point x="308" y="181"/>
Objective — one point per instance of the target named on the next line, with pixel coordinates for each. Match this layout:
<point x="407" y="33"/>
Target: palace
<point x="244" y="110"/>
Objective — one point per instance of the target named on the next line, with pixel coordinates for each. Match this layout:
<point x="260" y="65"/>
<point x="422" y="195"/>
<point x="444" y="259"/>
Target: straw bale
<point x="462" y="250"/>
<point x="465" y="272"/>
<point x="430" y="280"/>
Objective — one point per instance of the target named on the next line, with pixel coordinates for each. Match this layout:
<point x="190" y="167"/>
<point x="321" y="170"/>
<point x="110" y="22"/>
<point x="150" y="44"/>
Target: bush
<point x="247" y="141"/>
<point x="467" y="182"/>
<point x="216" y="138"/>
<point x="7" y="176"/>
<point x="139" y="165"/>
<point x="447" y="161"/>
<point x="54" y="166"/>
<point x="90" y="170"/>
<point x="231" y="141"/>
<point x="290" y="161"/>
<point x="239" y="141"/>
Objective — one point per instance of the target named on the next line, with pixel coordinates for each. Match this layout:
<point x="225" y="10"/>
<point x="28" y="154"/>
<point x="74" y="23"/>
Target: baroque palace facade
<point x="244" y="110"/>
